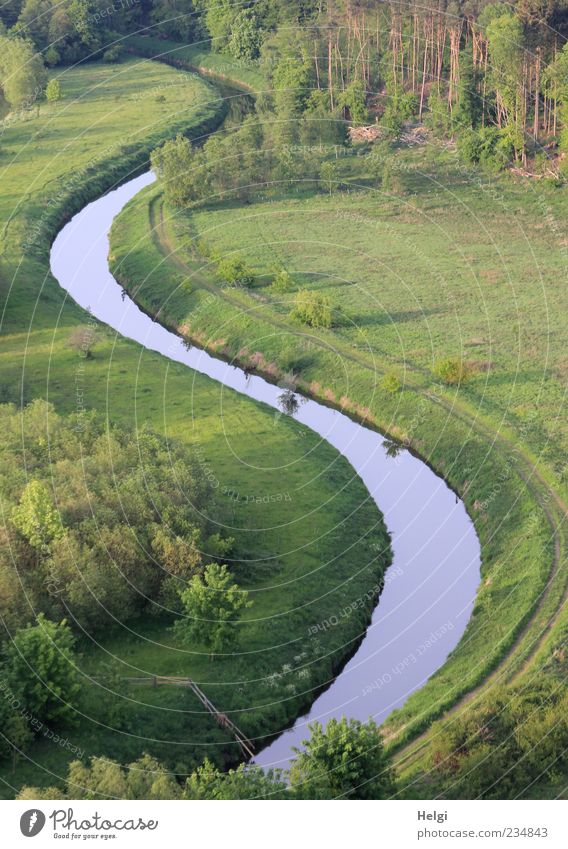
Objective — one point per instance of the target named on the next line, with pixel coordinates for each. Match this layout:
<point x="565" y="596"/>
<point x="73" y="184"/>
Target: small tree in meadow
<point x="212" y="605"/>
<point x="53" y="91"/>
<point x="329" y="175"/>
<point x="452" y="370"/>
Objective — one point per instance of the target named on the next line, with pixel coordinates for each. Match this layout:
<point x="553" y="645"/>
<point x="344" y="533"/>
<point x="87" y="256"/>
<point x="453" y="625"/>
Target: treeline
<point x="345" y="760"/>
<point x="470" y="65"/>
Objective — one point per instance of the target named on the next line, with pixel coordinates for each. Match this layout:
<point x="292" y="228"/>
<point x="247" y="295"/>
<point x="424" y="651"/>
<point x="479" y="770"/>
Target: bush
<point x="53" y="91"/>
<point x="312" y="308"/>
<point x="391" y="383"/>
<point x="282" y="282"/>
<point x="489" y="146"/>
<point x="114" y="54"/>
<point x="235" y="271"/>
<point x="452" y="370"/>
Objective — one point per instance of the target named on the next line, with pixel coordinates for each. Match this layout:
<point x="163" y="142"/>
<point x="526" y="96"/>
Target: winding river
<point x="430" y="587"/>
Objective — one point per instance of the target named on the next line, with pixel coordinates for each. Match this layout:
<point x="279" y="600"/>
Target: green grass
<point x="459" y="265"/>
<point x="303" y="558"/>
<point x="199" y="58"/>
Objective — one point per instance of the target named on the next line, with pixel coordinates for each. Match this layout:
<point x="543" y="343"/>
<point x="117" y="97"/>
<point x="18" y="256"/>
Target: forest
<point x="492" y="74"/>
<point x="128" y="552"/>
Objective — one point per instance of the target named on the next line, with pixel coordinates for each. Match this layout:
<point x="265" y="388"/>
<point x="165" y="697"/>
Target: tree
<point x="245" y="782"/>
<point x="40" y="670"/>
<point x="469" y="108"/>
<point x="312" y="308"/>
<point x="103" y="778"/>
<point x="22" y="72"/>
<point x="182" y="170"/>
<point x="212" y="606"/>
<point x="246" y="36"/>
<point x="452" y="370"/>
<point x="36" y="518"/>
<point x="282" y="282"/>
<point x="15" y="735"/>
<point x="555" y="85"/>
<point x="329" y="175"/>
<point x="506" y="48"/>
<point x="353" y="99"/>
<point x="345" y="760"/>
<point x="53" y="91"/>
<point x="177" y="19"/>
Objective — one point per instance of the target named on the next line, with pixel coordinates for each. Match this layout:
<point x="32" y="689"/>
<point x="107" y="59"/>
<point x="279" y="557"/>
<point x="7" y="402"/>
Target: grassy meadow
<point x="303" y="556"/>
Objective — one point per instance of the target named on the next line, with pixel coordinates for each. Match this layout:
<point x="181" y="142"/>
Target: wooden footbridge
<point x="222" y="719"/>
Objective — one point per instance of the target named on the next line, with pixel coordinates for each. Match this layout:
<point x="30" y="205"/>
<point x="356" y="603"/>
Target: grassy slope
<point x="198" y="57"/>
<point x="304" y="558"/>
<point x="444" y="270"/>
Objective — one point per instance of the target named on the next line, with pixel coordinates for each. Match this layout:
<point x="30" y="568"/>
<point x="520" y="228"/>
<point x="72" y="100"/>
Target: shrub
<point x="235" y="271"/>
<point x="452" y="370"/>
<point x="391" y="383"/>
<point x="312" y="308"/>
<point x="53" y="91"/>
<point x="114" y="54"/>
<point x="282" y="282"/>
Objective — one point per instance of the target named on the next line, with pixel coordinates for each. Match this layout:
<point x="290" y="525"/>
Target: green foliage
<point x="177" y="19"/>
<point x="181" y="168"/>
<point x="245" y="782"/>
<point x="103" y="778"/>
<point x="246" y="36"/>
<point x="125" y="543"/>
<point x="36" y="517"/>
<point x="346" y="760"/>
<point x="452" y="370"/>
<point x="490" y="147"/>
<point x="235" y="271"/>
<point x="513" y="738"/>
<point x="468" y="110"/>
<point x="22" y="73"/>
<point x="15" y="734"/>
<point x="438" y="118"/>
<point x="212" y="605"/>
<point x="401" y="106"/>
<point x="40" y="670"/>
<point x="354" y="99"/>
<point x="312" y="308"/>
<point x="114" y="54"/>
<point x="53" y="91"/>
<point x="329" y="175"/>
<point x="391" y="383"/>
